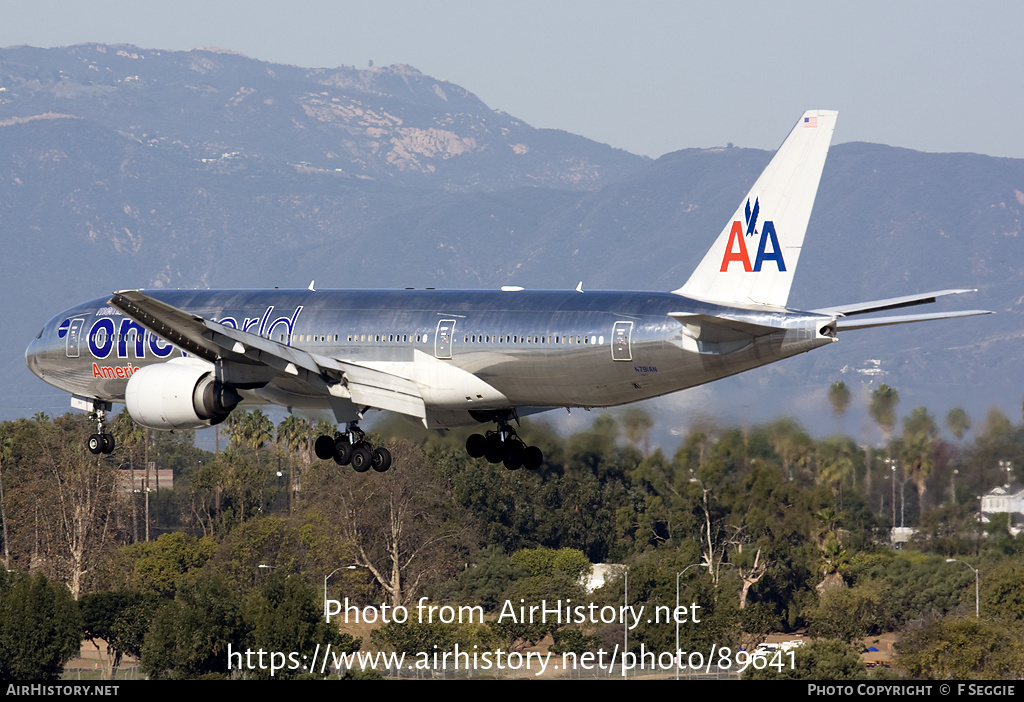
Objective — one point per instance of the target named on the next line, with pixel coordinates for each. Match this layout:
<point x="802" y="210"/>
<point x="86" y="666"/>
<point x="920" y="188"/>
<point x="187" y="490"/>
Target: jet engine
<point x="178" y="395"/>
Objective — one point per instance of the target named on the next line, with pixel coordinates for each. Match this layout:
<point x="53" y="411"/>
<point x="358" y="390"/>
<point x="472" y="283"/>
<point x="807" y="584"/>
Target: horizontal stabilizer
<point x="891" y="303"/>
<point x="845" y="323"/>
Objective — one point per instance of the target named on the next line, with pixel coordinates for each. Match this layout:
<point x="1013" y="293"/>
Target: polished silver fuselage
<point x="534" y="349"/>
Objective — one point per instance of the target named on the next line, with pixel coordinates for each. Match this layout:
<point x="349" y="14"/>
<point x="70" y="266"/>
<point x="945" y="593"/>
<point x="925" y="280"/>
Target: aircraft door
<point x="621" y="334"/>
<point x="443" y="338"/>
<point x="74" y="337"/>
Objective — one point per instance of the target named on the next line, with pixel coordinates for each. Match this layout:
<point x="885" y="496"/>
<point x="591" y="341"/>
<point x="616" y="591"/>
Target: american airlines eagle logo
<point x="768" y="248"/>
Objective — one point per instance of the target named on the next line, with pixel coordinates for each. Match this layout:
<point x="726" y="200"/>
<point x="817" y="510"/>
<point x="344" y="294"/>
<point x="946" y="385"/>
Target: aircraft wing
<point x="213" y="341"/>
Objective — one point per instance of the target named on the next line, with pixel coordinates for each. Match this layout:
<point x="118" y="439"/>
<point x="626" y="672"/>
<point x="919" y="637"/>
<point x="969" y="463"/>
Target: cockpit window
<point x="40" y="334"/>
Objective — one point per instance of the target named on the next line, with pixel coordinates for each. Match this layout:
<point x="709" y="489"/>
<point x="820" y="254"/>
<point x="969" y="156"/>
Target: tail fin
<point x="755" y="256"/>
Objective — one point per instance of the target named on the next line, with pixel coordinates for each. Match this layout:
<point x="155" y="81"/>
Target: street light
<point x="327" y="577"/>
<point x="625" y="628"/>
<point x="1008" y="467"/>
<point x="977" y="600"/>
<point x="675" y="614"/>
<point x="892" y="467"/>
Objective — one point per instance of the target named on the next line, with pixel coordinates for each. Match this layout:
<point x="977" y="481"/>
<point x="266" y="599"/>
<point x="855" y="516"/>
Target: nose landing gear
<point x="101" y="441"/>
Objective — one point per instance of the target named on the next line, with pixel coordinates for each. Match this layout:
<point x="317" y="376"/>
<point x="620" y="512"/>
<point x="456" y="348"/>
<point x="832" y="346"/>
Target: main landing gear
<point x="503" y="446"/>
<point x="351" y="447"/>
<point x="101" y="441"/>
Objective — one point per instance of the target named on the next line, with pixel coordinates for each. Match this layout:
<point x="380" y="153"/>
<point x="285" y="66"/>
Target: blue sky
<point x="649" y="76"/>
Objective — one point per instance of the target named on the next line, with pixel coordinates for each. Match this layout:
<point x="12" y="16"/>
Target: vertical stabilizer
<point x="754" y="258"/>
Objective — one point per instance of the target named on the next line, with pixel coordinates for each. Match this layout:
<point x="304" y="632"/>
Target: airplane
<point x="185" y="359"/>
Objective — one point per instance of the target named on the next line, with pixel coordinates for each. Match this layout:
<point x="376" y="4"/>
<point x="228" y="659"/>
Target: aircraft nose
<point x="34" y="352"/>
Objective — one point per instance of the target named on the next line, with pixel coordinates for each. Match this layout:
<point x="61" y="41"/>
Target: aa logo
<point x="768" y="248"/>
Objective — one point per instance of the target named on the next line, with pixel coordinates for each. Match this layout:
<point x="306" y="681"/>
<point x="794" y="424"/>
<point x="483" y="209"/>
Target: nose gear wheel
<point x="101" y="441"/>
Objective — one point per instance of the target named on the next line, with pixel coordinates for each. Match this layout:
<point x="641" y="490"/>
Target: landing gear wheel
<point x="342" y="452"/>
<point x="324" y="447"/>
<point x="381" y="460"/>
<point x="476" y="445"/>
<point x="532" y="458"/>
<point x="101" y="441"/>
<point x="495" y="448"/>
<point x="503" y="445"/>
<point x="362" y="458"/>
<point x="514" y="450"/>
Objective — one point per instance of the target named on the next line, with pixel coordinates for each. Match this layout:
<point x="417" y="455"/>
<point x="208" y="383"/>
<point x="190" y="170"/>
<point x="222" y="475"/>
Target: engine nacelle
<point x="178" y="395"/>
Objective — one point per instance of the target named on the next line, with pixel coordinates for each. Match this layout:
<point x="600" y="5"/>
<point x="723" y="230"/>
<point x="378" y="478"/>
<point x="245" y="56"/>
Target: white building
<point x="1005" y="498"/>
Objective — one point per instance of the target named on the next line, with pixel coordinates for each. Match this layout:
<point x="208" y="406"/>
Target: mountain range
<point x="124" y="167"/>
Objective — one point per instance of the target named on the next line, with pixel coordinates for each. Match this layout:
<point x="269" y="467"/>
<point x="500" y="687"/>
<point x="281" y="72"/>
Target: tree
<point x="40" y="627"/>
<point x="486" y="580"/>
<point x="295" y="435"/>
<point x="1003" y="592"/>
<point x="637" y="425"/>
<point x="847" y="614"/>
<point x="958" y="422"/>
<point x="822" y="659"/>
<point x="521" y="632"/>
<point x="791" y="443"/>
<point x="882" y="409"/>
<point x="263" y="541"/>
<point x="119" y="621"/>
<point x="918" y="454"/>
<point x="286" y="614"/>
<point x="839" y="397"/>
<point x="836" y="463"/>
<point x="402" y="525"/>
<point x="961" y="648"/>
<point x="161" y="567"/>
<point x="190" y="636"/>
<point x="132" y="444"/>
<point x="548" y="561"/>
<point x="79" y="498"/>
<point x="254" y="430"/>
<point x="914" y="585"/>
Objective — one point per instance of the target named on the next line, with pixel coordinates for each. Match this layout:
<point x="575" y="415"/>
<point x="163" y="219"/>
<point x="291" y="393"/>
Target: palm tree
<point x="791" y="443"/>
<point x="254" y="429"/>
<point x="294" y="433"/>
<point x="918" y="455"/>
<point x="883" y="409"/>
<point x="836" y="463"/>
<point x="958" y="422"/>
<point x="229" y="427"/>
<point x="839" y="397"/>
